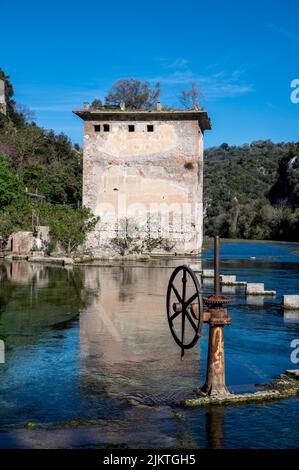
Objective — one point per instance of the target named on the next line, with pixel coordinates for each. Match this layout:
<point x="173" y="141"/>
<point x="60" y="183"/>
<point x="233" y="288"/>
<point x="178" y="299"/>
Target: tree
<point x="133" y="93"/>
<point x="96" y="104"/>
<point x="10" y="185"/>
<point x="27" y="114"/>
<point x="69" y="226"/>
<point x="15" y="216"/>
<point x="131" y="238"/>
<point x="27" y="142"/>
<point x="237" y="183"/>
<point x="127" y="240"/>
<point x="286" y="187"/>
<point x="189" y="98"/>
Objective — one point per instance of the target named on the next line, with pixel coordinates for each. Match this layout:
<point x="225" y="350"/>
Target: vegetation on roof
<point x="136" y="95"/>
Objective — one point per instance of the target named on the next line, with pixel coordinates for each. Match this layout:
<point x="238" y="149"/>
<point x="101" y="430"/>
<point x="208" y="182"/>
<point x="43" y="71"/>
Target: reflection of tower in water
<point x="124" y="337"/>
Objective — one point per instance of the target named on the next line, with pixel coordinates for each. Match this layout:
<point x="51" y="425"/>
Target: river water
<point x="89" y="348"/>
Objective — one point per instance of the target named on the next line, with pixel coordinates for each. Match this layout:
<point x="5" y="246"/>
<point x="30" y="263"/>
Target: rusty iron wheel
<point x="185" y="310"/>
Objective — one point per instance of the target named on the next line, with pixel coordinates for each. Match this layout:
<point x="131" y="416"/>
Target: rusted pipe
<point x="215" y="380"/>
<point x="215" y="377"/>
<point x="216" y="266"/>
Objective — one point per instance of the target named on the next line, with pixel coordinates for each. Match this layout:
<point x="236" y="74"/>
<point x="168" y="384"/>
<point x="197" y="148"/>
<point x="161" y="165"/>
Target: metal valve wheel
<point x="184" y="320"/>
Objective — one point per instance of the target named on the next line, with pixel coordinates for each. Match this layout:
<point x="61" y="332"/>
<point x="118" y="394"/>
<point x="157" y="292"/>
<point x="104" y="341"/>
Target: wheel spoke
<point x="174" y="315"/>
<point x="176" y="293"/>
<point x="184" y="280"/>
<point x="191" y="321"/>
<point x="183" y="334"/>
<point x="189" y="301"/>
<point x="184" y="302"/>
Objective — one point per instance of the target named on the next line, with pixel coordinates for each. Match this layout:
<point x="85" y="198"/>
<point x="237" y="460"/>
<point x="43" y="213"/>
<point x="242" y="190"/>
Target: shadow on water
<point x="215" y="427"/>
<point x="91" y="344"/>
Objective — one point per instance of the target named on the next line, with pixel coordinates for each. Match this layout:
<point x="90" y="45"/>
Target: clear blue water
<point x="82" y="343"/>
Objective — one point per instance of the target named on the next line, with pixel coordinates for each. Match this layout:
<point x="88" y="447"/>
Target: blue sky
<point x="242" y="55"/>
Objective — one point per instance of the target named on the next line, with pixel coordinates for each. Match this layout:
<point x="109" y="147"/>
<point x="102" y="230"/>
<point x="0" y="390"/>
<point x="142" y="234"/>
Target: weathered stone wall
<point x="134" y="174"/>
<point x="21" y="242"/>
<point x="25" y="242"/>
<point x="2" y="97"/>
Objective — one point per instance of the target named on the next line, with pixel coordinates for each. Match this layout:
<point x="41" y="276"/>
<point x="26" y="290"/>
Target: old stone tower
<point x="2" y="97"/>
<point x="144" y="169"/>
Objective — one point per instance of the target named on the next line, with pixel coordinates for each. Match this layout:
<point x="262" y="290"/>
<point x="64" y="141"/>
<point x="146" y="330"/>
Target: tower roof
<point x="117" y="114"/>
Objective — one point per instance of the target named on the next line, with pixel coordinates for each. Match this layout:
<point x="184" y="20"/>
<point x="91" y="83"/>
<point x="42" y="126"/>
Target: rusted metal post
<point x="215" y="377"/>
<point x="214" y="313"/>
<point x="216" y="267"/>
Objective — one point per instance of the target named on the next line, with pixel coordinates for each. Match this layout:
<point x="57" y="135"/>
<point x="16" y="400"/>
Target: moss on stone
<point x="30" y="425"/>
<point x="282" y="387"/>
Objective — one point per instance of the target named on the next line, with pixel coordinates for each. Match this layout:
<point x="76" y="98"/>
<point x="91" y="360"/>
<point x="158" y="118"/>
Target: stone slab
<point x="258" y="288"/>
<point x="196" y="268"/>
<point x="208" y="273"/>
<point x="290" y="302"/>
<point x="49" y="259"/>
<point x="291" y="316"/>
<point x="228" y="279"/>
<point x="254" y="288"/>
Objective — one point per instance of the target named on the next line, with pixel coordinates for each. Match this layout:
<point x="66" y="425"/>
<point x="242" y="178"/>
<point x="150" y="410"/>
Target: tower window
<point x="97" y="128"/>
<point x="131" y="128"/>
<point x="106" y="127"/>
<point x="150" y="128"/>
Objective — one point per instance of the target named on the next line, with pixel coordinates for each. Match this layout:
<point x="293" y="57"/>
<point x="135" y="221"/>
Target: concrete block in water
<point x="208" y="281"/>
<point x="254" y="288"/>
<point x="291" y="316"/>
<point x="196" y="268"/>
<point x="51" y="260"/>
<point x="227" y="279"/>
<point x="290" y="302"/>
<point x="258" y="288"/>
<point x="208" y="273"/>
<point x="229" y="289"/>
<point x="257" y="300"/>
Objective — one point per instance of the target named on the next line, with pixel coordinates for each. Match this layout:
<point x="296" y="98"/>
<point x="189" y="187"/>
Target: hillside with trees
<point x="40" y="173"/>
<point x="250" y="191"/>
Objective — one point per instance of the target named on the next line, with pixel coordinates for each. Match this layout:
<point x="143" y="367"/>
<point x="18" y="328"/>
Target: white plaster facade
<point x="146" y="166"/>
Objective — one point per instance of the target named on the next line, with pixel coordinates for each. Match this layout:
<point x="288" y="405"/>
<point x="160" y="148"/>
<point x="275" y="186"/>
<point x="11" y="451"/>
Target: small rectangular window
<point x="131" y="128"/>
<point x="97" y="128"/>
<point x="106" y="127"/>
<point x="150" y="128"/>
